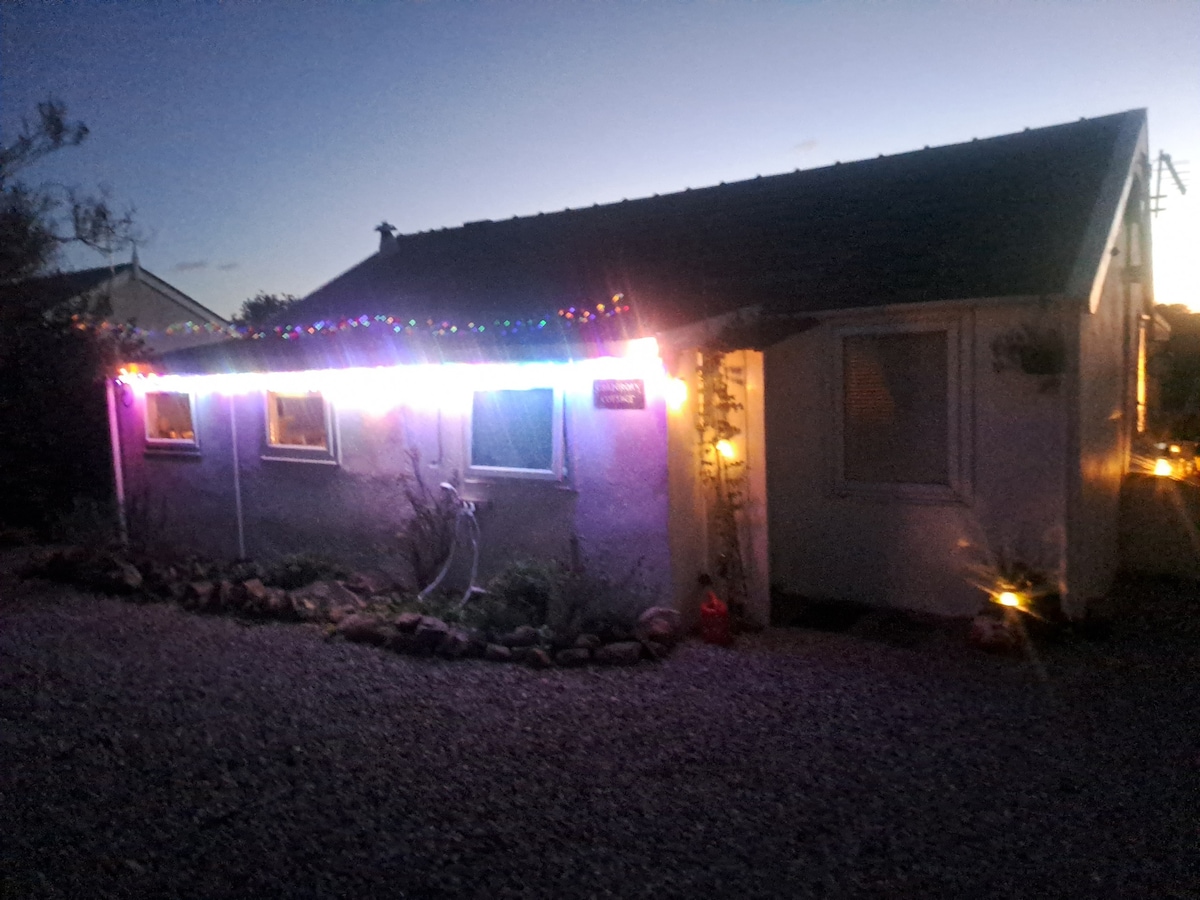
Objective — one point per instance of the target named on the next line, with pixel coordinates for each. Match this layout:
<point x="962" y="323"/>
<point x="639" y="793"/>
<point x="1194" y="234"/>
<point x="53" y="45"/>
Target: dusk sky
<point x="261" y="143"/>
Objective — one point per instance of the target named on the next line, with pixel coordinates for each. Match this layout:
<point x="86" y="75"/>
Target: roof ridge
<point x="998" y="216"/>
<point x="774" y="177"/>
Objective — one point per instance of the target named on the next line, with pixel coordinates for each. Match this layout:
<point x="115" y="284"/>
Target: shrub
<point x="441" y="605"/>
<point x="89" y="522"/>
<point x="93" y="568"/>
<point x="494" y="614"/>
<point x="429" y="534"/>
<point x="298" y="569"/>
<point x="530" y="586"/>
<point x="604" y="603"/>
<point x="244" y="570"/>
<point x="565" y="599"/>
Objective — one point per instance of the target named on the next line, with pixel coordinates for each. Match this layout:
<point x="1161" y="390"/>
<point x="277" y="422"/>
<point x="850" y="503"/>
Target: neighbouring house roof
<point x="158" y="313"/>
<point x="63" y="286"/>
<point x="1026" y="214"/>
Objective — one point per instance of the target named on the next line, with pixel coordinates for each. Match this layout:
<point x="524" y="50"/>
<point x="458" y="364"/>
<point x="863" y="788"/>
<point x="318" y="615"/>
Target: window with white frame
<point x="170" y="420"/>
<point x="899" y="411"/>
<point x="516" y="433"/>
<point x="300" y="426"/>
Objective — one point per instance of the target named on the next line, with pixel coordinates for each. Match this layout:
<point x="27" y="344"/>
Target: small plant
<point x="297" y="570"/>
<point x="244" y="570"/>
<point x="532" y="586"/>
<point x="440" y="605"/>
<point x="429" y="534"/>
<point x="494" y="614"/>
<point x="147" y="522"/>
<point x="89" y="522"/>
<point x="564" y="599"/>
<point x="608" y="604"/>
<point x="96" y="567"/>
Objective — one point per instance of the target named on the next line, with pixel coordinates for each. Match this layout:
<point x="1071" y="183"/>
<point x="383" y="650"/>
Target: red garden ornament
<point x="714" y="621"/>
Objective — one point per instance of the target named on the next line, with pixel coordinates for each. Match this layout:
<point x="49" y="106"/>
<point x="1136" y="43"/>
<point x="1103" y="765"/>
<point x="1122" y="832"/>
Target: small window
<point x="300" y="427"/>
<point x="169" y="420"/>
<point x="895" y="390"/>
<point x="297" y="420"/>
<point x="516" y="432"/>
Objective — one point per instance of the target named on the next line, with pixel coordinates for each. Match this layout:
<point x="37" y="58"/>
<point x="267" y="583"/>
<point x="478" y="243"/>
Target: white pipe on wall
<point x="114" y="437"/>
<point x="237" y="479"/>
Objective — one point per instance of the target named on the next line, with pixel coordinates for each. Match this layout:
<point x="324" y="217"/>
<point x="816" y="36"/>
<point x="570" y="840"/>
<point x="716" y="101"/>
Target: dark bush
<point x="298" y="569"/>
<point x="428" y="534"/>
<point x="529" y="585"/>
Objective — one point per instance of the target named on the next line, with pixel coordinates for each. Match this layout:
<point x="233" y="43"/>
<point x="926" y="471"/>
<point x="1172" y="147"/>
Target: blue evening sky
<point x="261" y="143"/>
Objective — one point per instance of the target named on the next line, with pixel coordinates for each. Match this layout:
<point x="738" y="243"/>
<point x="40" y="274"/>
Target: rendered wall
<point x="613" y="497"/>
<point x="1105" y="419"/>
<point x="688" y="513"/>
<point x="179" y="500"/>
<point x="883" y="548"/>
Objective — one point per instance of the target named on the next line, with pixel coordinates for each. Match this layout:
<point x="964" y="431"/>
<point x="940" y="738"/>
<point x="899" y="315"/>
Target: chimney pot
<point x="387" y="239"/>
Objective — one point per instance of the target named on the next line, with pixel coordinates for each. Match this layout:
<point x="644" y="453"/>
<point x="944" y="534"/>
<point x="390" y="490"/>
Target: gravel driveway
<point x="149" y="752"/>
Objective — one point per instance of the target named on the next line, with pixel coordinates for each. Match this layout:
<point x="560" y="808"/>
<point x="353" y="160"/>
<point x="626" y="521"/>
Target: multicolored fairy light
<point x="568" y="316"/>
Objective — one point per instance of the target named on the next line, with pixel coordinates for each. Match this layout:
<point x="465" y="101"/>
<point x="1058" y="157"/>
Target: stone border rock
<point x="429" y="636"/>
<point x="657" y="632"/>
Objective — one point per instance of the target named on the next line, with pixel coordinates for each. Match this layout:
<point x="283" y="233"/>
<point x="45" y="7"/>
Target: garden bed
<point x="528" y="618"/>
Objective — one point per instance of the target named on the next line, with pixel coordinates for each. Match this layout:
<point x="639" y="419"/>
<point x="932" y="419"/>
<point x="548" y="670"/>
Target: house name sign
<point x="619" y="393"/>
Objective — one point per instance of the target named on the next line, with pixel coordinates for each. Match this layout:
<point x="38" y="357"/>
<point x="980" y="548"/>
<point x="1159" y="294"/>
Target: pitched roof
<point x="62" y="286"/>
<point x="1004" y="216"/>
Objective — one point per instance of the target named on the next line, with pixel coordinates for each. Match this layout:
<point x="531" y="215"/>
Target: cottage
<point x="841" y="382"/>
<point x="268" y="447"/>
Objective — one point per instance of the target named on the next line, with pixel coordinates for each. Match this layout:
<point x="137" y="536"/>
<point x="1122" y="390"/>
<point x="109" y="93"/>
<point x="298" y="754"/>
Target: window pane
<point x="513" y="429"/>
<point x="297" y="420"/>
<point x="896" y="408"/>
<point x="169" y="417"/>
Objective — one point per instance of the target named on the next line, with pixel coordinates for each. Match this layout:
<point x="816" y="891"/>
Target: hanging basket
<point x="1032" y="350"/>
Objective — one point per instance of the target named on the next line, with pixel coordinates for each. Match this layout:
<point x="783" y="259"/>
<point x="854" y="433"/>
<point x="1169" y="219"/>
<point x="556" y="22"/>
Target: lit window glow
<point x="297" y="420"/>
<point x="169" y="418"/>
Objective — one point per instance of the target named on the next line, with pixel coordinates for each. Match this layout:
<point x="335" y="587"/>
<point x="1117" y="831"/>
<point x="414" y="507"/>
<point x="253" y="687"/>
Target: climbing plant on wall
<point x="723" y="471"/>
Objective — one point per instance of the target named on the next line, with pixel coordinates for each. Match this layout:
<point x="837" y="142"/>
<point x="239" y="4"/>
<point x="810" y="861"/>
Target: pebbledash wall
<point x="607" y="486"/>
